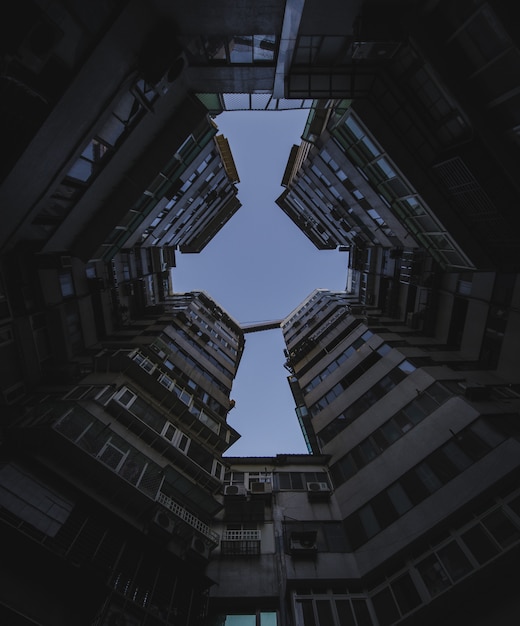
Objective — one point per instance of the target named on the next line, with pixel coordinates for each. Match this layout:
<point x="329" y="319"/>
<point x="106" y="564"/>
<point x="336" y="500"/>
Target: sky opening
<point x="260" y="267"/>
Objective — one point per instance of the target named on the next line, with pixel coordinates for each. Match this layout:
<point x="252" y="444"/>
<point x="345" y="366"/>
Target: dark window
<point x="324" y="612"/>
<point x="308" y="613"/>
<point x="414" y="487"/>
<point x="384" y="510"/>
<point x="442" y="466"/>
<point x="361" y="611"/>
<point x="405" y="593"/>
<point x="390" y="431"/>
<point x="345" y="613"/>
<point x="502" y="528"/>
<point x="433" y="575"/>
<point x="454" y="560"/>
<point x="385" y="607"/>
<point x="480" y="544"/>
<point x="355" y="532"/>
<point x="472" y="445"/>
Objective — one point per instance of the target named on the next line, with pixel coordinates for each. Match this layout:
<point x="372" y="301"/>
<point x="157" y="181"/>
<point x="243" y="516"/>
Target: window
<point x="405" y="593"/>
<point x="125" y="397"/>
<point x="434" y="575"/>
<point x="143" y="362"/>
<point x="260" y="618"/>
<point x="297" y="481"/>
<point x="86" y="165"/>
<point x="166" y="381"/>
<point x="454" y="560"/>
<point x="66" y="284"/>
<point x="32" y="501"/>
<point x="331" y="610"/>
<point x="111" y="455"/>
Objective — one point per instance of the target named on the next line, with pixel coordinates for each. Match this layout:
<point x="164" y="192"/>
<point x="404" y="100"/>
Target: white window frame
<point x="121" y="393"/>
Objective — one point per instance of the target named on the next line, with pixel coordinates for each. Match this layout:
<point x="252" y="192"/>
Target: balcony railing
<point x="241" y="535"/>
<point x="188" y="517"/>
<point x="240" y="543"/>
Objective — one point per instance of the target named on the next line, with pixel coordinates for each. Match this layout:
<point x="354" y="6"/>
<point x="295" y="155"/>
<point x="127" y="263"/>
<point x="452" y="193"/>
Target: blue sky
<point x="258" y="268"/>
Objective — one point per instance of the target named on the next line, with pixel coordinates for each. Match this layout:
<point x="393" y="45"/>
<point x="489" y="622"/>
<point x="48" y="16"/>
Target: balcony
<point x="188" y="518"/>
<point x="240" y="543"/>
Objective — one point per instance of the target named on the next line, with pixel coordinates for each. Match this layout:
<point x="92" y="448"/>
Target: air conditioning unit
<point x="164" y="521"/>
<point x="303" y="544"/>
<point x="256" y="487"/>
<point x="198" y="548"/>
<point x="318" y="491"/>
<point x="318" y="487"/>
<point x="235" y="490"/>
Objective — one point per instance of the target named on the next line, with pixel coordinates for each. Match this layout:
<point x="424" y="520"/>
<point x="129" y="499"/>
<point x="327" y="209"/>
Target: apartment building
<point x="422" y="438"/>
<point x="117" y="503"/>
<point x="113" y="479"/>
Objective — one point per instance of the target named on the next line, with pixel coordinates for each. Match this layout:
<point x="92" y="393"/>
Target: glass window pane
<point x="457" y="456"/>
<point x="399" y="498"/>
<point x="414" y="487"/>
<point x="502" y="528"/>
<point x="406" y="367"/>
<point x="240" y="620"/>
<point x="472" y="444"/>
<point x="66" y="284"/>
<point x="433" y="575"/>
<point x="347" y="467"/>
<point x="241" y="49"/>
<point x="368" y="450"/>
<point x="384" y="509"/>
<point x="480" y="544"/>
<point x="356" y="130"/>
<point x="111" y="131"/>
<point x="355" y="532"/>
<point x="81" y="170"/>
<point x="296" y="480"/>
<point x="324" y="612"/>
<point x="405" y="593"/>
<point x="370" y="146"/>
<point x="428" y="478"/>
<point x="369" y="521"/>
<point x="454" y="560"/>
<point x="268" y="619"/>
<point x="264" y="46"/>
<point x="344" y="610"/>
<point x="390" y="431"/>
<point x="361" y="610"/>
<point x="385" y="607"/>
<point x="385" y="167"/>
<point x="442" y="466"/>
<point x="305" y="611"/>
<point x="440" y="393"/>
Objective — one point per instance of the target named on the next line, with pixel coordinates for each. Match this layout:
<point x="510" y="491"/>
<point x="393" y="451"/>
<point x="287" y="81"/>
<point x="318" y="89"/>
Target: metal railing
<point x="188" y="517"/>
<point x="241" y="535"/>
